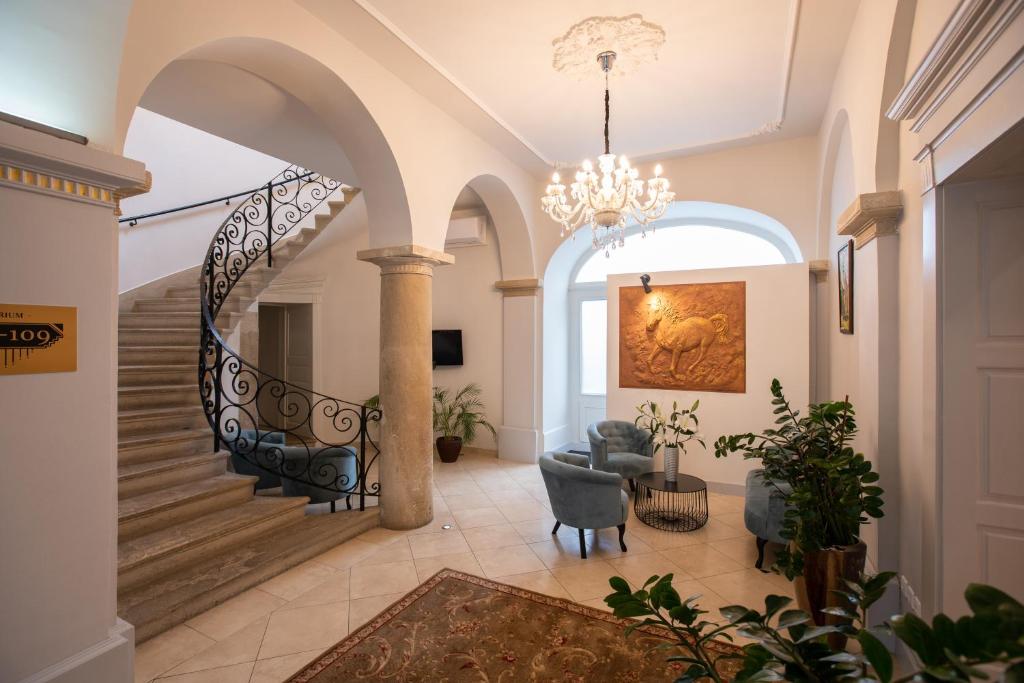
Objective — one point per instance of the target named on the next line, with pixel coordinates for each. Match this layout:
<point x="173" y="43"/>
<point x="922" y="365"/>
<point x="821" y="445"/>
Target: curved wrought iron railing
<point x="326" y="441"/>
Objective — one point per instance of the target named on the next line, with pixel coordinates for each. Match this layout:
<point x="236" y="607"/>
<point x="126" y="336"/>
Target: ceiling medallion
<point x="635" y="42"/>
<point x="610" y="196"/>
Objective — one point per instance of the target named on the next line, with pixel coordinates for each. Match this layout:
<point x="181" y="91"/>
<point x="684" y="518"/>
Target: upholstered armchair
<point x="584" y="498"/>
<point x="252" y="445"/>
<point x="329" y="467"/>
<point x="764" y="510"/>
<point x="620" y="447"/>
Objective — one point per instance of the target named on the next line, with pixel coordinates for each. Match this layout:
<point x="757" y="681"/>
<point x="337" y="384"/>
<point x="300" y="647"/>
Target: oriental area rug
<point x="457" y="627"/>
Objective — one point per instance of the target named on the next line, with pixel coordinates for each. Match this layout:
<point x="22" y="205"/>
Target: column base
<point x="519" y="444"/>
<point x="112" y="659"/>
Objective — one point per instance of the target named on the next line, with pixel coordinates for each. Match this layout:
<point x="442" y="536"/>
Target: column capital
<point x="871" y="215"/>
<point x="407" y="258"/>
<point x="522" y="287"/>
<point x="819" y="269"/>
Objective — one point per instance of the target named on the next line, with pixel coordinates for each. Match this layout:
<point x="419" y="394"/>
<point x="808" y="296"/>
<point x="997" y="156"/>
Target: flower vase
<point x="671" y="463"/>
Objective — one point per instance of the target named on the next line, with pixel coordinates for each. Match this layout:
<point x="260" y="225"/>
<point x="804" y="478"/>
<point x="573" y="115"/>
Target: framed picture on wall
<point x="846" y="288"/>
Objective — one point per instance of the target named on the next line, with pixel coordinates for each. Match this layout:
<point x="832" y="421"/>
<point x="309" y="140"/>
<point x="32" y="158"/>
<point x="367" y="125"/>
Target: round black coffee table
<point x="681" y="505"/>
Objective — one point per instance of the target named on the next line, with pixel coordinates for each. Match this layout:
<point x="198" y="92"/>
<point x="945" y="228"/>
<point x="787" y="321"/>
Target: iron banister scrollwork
<point x="326" y="441"/>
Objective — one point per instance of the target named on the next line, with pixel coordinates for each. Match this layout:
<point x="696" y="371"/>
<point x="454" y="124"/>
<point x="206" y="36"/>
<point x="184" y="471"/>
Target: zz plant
<point x="832" y="488"/>
<point x="787" y="646"/>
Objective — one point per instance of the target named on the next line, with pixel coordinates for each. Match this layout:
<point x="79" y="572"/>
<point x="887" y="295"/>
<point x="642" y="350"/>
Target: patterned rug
<point x="457" y="627"/>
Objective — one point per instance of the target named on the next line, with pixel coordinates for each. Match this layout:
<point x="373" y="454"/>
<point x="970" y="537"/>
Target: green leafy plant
<point x="460" y="414"/>
<point x="675" y="429"/>
<point x="789" y="647"/>
<point x="832" y="488"/>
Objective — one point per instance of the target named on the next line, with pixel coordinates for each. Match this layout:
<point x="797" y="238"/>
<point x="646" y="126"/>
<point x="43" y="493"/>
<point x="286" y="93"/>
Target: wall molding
<point x="965" y="38"/>
<point x="522" y="287"/>
<point x="819" y="269"/>
<point x="871" y="215"/>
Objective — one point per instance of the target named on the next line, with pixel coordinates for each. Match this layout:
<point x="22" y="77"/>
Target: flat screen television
<point x="447" y="346"/>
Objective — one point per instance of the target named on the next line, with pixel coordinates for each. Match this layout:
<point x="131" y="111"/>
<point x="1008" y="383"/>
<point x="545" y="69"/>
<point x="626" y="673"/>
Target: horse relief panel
<point x="689" y="337"/>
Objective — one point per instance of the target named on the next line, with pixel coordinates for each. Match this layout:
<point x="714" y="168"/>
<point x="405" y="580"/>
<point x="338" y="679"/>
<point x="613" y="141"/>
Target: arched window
<point x="680" y="247"/>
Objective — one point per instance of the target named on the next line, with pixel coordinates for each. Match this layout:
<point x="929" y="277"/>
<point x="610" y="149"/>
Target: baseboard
<point x="726" y="488"/>
<point x="553" y="438"/>
<point x="112" y="660"/>
<point x="477" y="450"/>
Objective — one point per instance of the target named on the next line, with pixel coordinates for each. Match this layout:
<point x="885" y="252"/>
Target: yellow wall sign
<point x="37" y="339"/>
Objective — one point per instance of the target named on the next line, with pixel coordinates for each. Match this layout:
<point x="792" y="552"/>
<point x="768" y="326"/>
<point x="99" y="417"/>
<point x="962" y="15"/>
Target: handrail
<point x="133" y="220"/>
<point x="326" y="443"/>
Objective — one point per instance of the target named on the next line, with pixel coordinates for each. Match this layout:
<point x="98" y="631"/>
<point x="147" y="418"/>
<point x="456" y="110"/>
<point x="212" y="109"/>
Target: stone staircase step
<point x="157" y="396"/>
<point x="159" y="420"/>
<point x="150" y="447"/>
<point x="159" y="375"/>
<point x="159" y="336"/>
<point x="157" y="510"/>
<point x="154" y="607"/>
<point x="158" y="355"/>
<point x="168" y="305"/>
<point x="149" y="557"/>
<point x="178" y="320"/>
<point x="134" y="479"/>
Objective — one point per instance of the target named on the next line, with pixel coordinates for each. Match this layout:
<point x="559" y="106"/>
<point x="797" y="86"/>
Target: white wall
<point x="464" y="298"/>
<point x="777" y="347"/>
<point x="188" y="165"/>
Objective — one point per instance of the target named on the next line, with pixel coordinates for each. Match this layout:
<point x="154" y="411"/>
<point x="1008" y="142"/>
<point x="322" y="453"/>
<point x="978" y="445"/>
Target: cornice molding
<point x="965" y="38"/>
<point x="522" y="287"/>
<point x="871" y="215"/>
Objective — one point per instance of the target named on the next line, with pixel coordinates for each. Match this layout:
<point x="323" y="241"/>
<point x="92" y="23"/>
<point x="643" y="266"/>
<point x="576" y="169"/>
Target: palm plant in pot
<point x="832" y="492"/>
<point x="457" y="416"/>
<point x="672" y="431"/>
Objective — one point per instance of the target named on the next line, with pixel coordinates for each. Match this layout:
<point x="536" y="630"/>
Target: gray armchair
<point x="620" y="447"/>
<point x="584" y="498"/>
<point x="764" y="510"/>
<point x="252" y="445"/>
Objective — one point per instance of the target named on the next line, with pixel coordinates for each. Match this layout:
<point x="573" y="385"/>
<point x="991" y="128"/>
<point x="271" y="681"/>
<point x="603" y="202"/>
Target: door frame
<point x="303" y="292"/>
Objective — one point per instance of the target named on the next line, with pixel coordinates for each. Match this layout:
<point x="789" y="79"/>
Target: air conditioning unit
<point x="466" y="231"/>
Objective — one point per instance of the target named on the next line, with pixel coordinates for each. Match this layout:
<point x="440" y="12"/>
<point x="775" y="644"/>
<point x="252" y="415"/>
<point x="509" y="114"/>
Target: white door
<point x="982" y="356"/>
<point x="589" y="360"/>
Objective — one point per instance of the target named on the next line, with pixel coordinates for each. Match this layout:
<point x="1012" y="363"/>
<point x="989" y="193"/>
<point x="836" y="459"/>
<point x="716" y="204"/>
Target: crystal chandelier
<point x="608" y="197"/>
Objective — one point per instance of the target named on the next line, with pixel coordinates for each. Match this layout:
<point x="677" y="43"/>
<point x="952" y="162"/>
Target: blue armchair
<point x="584" y="498"/>
<point x="764" y="510"/>
<point x="620" y="447"/>
<point x="252" y="445"/>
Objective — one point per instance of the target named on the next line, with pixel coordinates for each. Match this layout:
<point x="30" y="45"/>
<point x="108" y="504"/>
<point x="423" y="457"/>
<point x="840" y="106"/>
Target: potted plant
<point x="672" y="431"/>
<point x="456" y="418"/>
<point x="833" y="492"/>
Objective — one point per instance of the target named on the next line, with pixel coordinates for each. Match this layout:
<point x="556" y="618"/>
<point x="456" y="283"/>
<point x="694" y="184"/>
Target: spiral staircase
<point x="191" y="533"/>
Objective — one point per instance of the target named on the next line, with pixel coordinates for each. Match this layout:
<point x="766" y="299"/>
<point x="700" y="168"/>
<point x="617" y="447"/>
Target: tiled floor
<point x="500" y="527"/>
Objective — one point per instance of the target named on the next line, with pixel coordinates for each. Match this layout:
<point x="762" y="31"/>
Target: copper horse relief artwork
<point x="689" y="337"/>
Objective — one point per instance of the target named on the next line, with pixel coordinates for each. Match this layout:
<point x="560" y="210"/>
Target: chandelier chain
<point x="607" y="113"/>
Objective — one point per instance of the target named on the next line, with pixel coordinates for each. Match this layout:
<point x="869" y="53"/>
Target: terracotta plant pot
<point x="824" y="571"/>
<point x="449" y="447"/>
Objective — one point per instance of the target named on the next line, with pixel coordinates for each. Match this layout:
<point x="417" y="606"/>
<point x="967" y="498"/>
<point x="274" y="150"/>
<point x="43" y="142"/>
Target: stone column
<point x="406" y="374"/>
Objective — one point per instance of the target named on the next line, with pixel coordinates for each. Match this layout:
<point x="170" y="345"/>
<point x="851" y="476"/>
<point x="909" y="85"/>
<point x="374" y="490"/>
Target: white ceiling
<point x="729" y="71"/>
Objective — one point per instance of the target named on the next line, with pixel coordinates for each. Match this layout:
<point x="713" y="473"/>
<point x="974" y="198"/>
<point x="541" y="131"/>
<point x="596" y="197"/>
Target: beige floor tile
<point x="468" y="501"/>
<point x="509" y="495"/>
<point x="347" y="554"/>
<point x="516" y="559"/>
<point x="560" y="552"/>
<point x="450" y="542"/>
<point x="743" y="550"/>
<point x="381" y="536"/>
<point x="538" y="530"/>
<point x="362" y="610"/>
<point x="701" y="560"/>
<point x="240" y="611"/>
<point x="496" y="484"/>
<point x="661" y="540"/>
<point x="539" y="582"/>
<point x="604" y="544"/>
<point x="279" y="669"/>
<point x="441" y="506"/>
<point x="474" y="517"/>
<point x="381" y="579"/>
<point x="334" y="589"/>
<point x="458" y="488"/>
<point x="239" y="673"/>
<point x="733" y="519"/>
<point x="521" y="512"/>
<point x="638" y="568"/>
<point x="462" y="562"/>
<point x="238" y="648"/>
<point x="436" y="526"/>
<point x="716" y="531"/>
<point x="167" y="650"/>
<point x="296" y="581"/>
<point x="587" y="580"/>
<point x="398" y="551"/>
<point x="490" y="537"/>
<point x="304" y="628"/>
